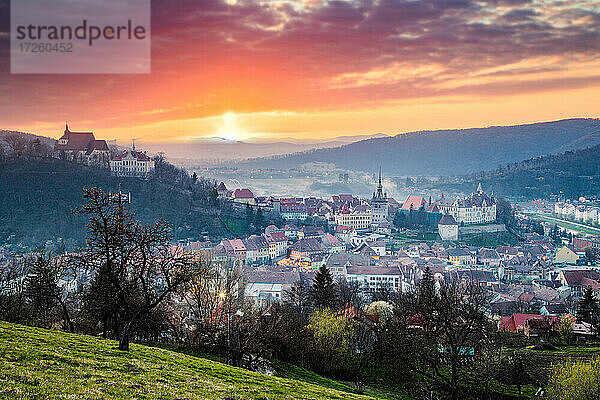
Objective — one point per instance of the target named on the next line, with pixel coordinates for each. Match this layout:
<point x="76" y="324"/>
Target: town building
<point x="477" y="208"/>
<point x="566" y="255"/>
<point x="373" y="278"/>
<point x="265" y="287"/>
<point x="448" y="228"/>
<point x="132" y="163"/>
<point x="81" y="147"/>
<point x="379" y="205"/>
<point x="356" y="220"/>
<point x="243" y="196"/>
<point x="460" y="256"/>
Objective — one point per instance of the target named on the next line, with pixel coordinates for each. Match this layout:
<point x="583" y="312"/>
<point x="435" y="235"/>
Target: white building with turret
<point x="477" y="208"/>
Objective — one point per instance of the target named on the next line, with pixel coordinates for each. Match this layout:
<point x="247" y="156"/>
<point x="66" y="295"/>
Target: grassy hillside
<point x="36" y="363"/>
<point x="450" y="152"/>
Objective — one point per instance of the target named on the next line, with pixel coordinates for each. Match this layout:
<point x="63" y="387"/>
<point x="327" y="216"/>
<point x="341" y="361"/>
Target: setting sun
<point x="229" y="130"/>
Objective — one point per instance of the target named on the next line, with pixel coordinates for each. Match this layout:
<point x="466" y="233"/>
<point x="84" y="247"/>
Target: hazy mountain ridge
<point x="449" y="152"/>
<point x="571" y="174"/>
<point x="216" y="148"/>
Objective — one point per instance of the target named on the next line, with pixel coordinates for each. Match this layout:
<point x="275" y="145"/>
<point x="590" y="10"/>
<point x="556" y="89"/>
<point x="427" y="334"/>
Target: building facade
<point x="379" y="204"/>
<point x="355" y="220"/>
<point x="132" y="164"/>
<point x="477" y="208"/>
<point x="81" y="147"/>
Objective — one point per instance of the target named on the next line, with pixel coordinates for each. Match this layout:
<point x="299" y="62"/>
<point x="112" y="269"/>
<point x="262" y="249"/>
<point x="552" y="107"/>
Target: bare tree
<point x="135" y="262"/>
<point x="439" y="330"/>
<point x="214" y="294"/>
<point x="299" y="298"/>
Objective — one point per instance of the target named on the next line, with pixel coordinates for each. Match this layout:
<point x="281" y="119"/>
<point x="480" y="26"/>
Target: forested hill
<point x="450" y="152"/>
<point x="571" y="174"/>
<point x="37" y="196"/>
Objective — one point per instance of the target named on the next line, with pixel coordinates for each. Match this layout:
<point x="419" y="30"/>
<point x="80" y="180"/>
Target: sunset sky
<point x="304" y="69"/>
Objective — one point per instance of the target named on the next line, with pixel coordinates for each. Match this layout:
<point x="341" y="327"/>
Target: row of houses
<point x="582" y="213"/>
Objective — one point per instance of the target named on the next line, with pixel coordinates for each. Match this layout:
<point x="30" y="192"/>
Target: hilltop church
<point x="81" y="147"/>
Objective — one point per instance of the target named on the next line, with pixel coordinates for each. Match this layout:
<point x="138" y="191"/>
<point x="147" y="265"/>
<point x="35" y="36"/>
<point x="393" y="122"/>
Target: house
<point x="81" y="147"/>
<point x="554" y="309"/>
<point x="356" y="219"/>
<point x="306" y="248"/>
<point x="266" y="287"/>
<point x="338" y="262"/>
<point x="448" y="228"/>
<point x="507" y="253"/>
<point x="566" y="255"/>
<point x="235" y="248"/>
<point x="335" y="244"/>
<point x="489" y="257"/>
<point x="517" y="322"/>
<point x="372" y="278"/>
<point x="459" y="256"/>
<point x="413" y="202"/>
<point x="222" y="191"/>
<point x="345" y="233"/>
<point x="244" y="196"/>
<point x="278" y="244"/>
<point x="134" y="164"/>
<point x="257" y="249"/>
<point x="293" y="211"/>
<point x="291" y="231"/>
<point x="541" y="327"/>
<point x="578" y="280"/>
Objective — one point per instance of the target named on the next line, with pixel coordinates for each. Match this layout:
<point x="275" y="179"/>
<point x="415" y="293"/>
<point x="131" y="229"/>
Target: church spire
<point x="379" y="193"/>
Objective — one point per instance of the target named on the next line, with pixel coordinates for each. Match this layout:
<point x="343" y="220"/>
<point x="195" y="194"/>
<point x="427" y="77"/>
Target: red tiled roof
<point x="414" y="202"/>
<point x="99" y="145"/>
<point x="79" y="141"/>
<point x="243" y="194"/>
<point x="137" y="155"/>
<point x="517" y="321"/>
<point x="447" y="219"/>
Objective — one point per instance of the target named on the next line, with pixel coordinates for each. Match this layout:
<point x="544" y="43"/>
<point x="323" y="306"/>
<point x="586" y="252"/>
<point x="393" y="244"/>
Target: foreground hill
<point x="571" y="174"/>
<point x="450" y="152"/>
<point x="37" y="197"/>
<point x="40" y="364"/>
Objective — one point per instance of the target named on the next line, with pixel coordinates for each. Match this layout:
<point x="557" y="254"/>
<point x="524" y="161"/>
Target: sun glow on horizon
<point x="229" y="129"/>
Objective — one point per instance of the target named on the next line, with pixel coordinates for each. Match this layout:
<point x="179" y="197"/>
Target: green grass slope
<point x="41" y="364"/>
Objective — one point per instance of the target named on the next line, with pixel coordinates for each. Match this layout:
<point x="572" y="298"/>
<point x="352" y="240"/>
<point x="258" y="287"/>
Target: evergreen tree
<point x="259" y="218"/>
<point x="323" y="289"/>
<point x="588" y="310"/>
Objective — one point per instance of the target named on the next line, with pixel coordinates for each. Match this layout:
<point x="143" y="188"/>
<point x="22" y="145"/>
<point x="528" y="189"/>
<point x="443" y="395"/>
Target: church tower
<point x="379" y="203"/>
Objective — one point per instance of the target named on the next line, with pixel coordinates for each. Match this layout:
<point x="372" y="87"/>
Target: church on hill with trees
<point x="81" y="147"/>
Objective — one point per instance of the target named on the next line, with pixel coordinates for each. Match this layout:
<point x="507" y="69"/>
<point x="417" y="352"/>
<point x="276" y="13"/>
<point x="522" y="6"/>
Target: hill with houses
<point x="449" y="152"/>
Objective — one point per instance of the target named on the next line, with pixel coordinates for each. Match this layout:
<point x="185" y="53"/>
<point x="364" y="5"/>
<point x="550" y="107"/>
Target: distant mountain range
<point x="448" y="152"/>
<point x="219" y="149"/>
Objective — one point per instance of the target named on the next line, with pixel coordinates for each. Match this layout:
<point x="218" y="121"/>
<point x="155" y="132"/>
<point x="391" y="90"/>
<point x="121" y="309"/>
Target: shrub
<point x="575" y="380"/>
